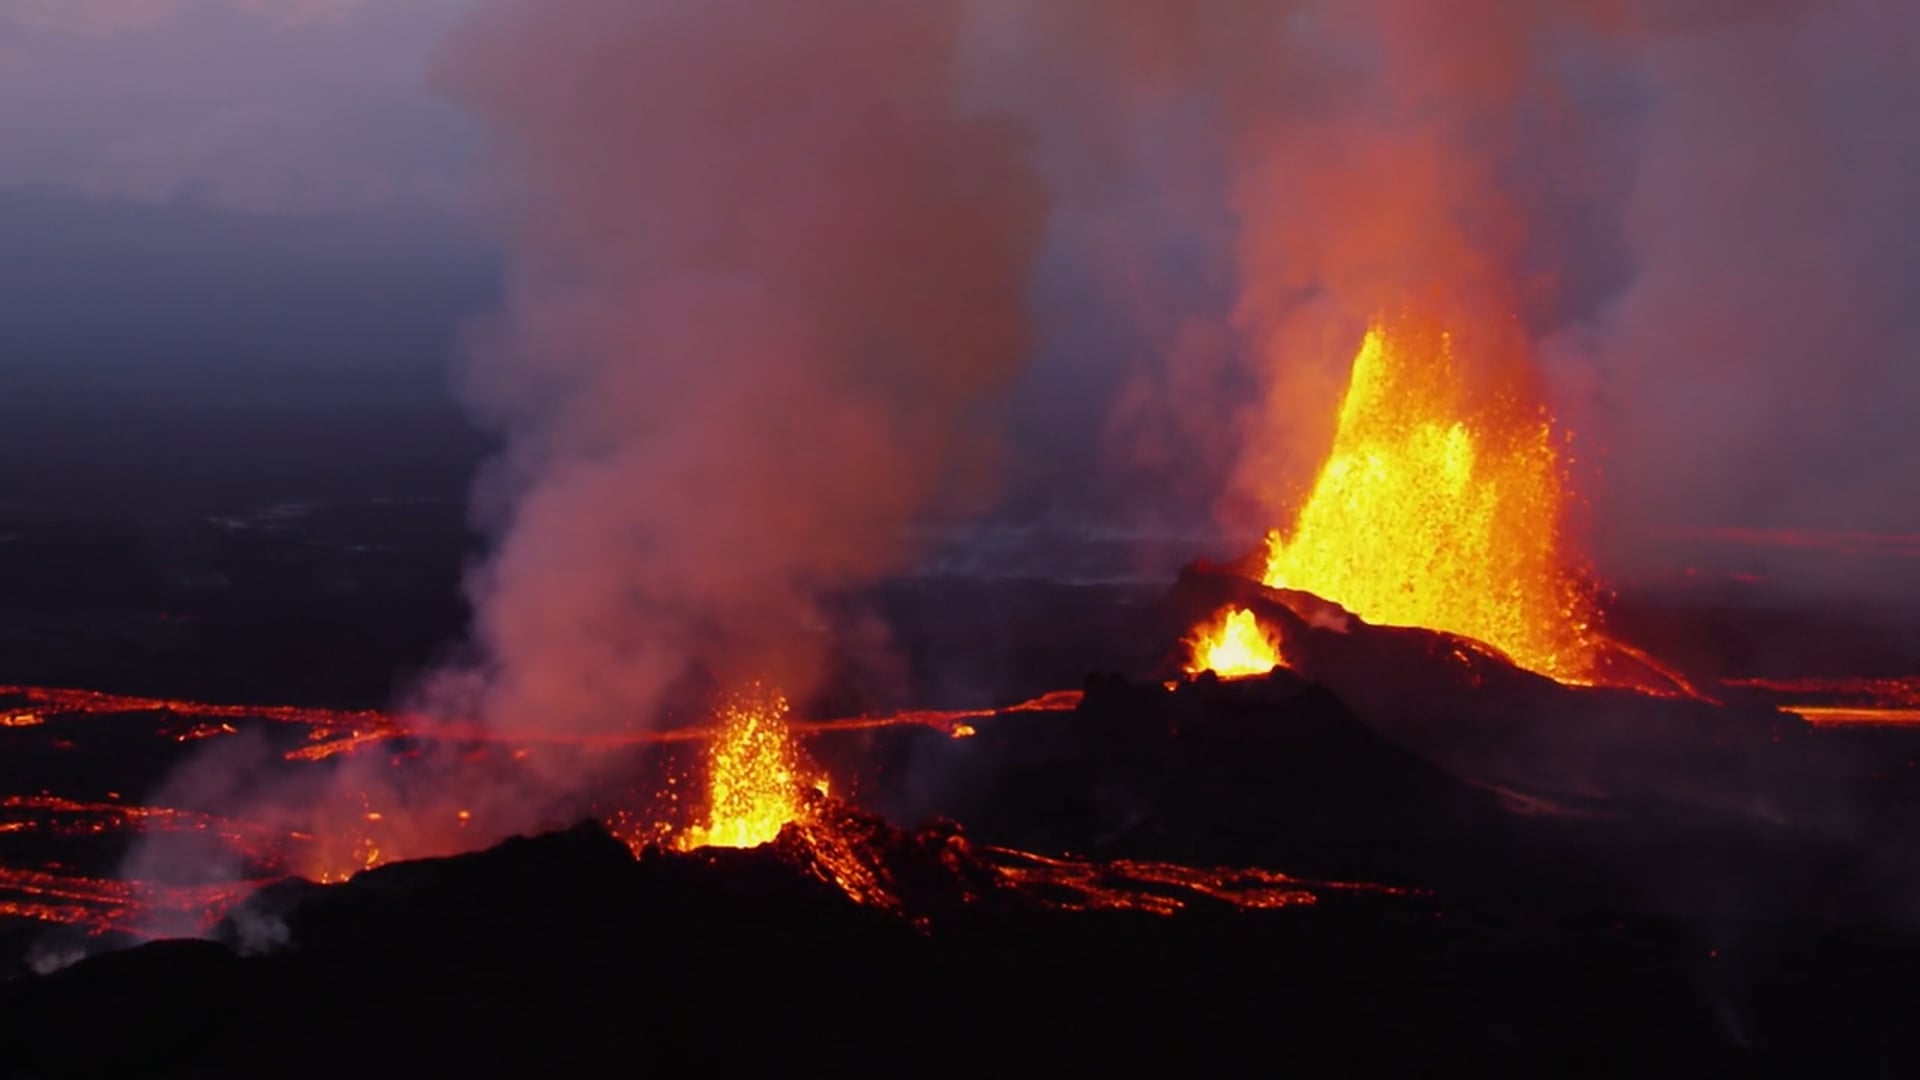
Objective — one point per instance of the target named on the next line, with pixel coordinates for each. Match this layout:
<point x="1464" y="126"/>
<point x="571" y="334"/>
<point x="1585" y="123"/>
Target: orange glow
<point x="339" y="853"/>
<point x="1442" y="510"/>
<point x="754" y="785"/>
<point x="1234" y="645"/>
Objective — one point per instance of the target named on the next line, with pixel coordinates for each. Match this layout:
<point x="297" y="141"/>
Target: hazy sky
<point x="221" y="202"/>
<point x="264" y="104"/>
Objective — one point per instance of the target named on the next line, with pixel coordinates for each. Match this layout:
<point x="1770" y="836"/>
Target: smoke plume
<point x="770" y="275"/>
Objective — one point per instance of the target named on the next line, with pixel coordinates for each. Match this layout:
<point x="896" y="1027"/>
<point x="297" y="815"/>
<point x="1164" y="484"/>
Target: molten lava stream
<point x="102" y="905"/>
<point x="1888" y="701"/>
<point x="334" y="732"/>
<point x="1441" y="506"/>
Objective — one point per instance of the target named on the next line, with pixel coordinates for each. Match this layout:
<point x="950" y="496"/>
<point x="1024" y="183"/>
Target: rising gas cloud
<point x="769" y="276"/>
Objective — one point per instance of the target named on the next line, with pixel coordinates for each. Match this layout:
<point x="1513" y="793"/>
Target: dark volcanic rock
<point x="1279" y="772"/>
<point x="1269" y="770"/>
<point x="565" y="956"/>
<point x="1466" y="707"/>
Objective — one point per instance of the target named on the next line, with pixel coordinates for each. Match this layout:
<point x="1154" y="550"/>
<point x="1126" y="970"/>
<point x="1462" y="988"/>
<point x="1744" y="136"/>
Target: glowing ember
<point x="204" y="731"/>
<point x="1441" y="511"/>
<point x="1233" y="645"/>
<point x="754" y="782"/>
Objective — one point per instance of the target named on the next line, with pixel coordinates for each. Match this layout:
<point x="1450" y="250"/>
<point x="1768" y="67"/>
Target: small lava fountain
<point x="754" y="781"/>
<point x="1234" y="645"/>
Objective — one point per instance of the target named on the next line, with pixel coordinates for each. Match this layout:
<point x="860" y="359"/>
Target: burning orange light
<point x="1442" y="510"/>
<point x="1233" y="645"/>
<point x="753" y="781"/>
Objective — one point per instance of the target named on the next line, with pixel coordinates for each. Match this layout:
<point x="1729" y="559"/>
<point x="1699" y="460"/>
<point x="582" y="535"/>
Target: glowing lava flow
<point x="1842" y="701"/>
<point x="1234" y="645"/>
<point x="100" y="905"/>
<point x="1442" y="511"/>
<point x="754" y="779"/>
<point x="332" y="732"/>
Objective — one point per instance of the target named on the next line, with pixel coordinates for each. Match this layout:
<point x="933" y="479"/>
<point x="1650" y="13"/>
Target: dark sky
<point x="233" y="259"/>
<point x="168" y="358"/>
<point x="121" y="302"/>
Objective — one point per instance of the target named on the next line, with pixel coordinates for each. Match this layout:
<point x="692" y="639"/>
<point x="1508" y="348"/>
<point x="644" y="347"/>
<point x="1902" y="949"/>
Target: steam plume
<point x="768" y="276"/>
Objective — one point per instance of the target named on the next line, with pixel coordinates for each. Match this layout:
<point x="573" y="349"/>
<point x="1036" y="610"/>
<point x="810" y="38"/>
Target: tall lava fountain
<point x="1436" y="511"/>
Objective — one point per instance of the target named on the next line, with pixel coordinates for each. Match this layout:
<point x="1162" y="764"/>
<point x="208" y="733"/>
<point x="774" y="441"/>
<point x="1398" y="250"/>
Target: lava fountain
<point x="1441" y="506"/>
<point x="753" y="774"/>
<point x="1234" y="645"/>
